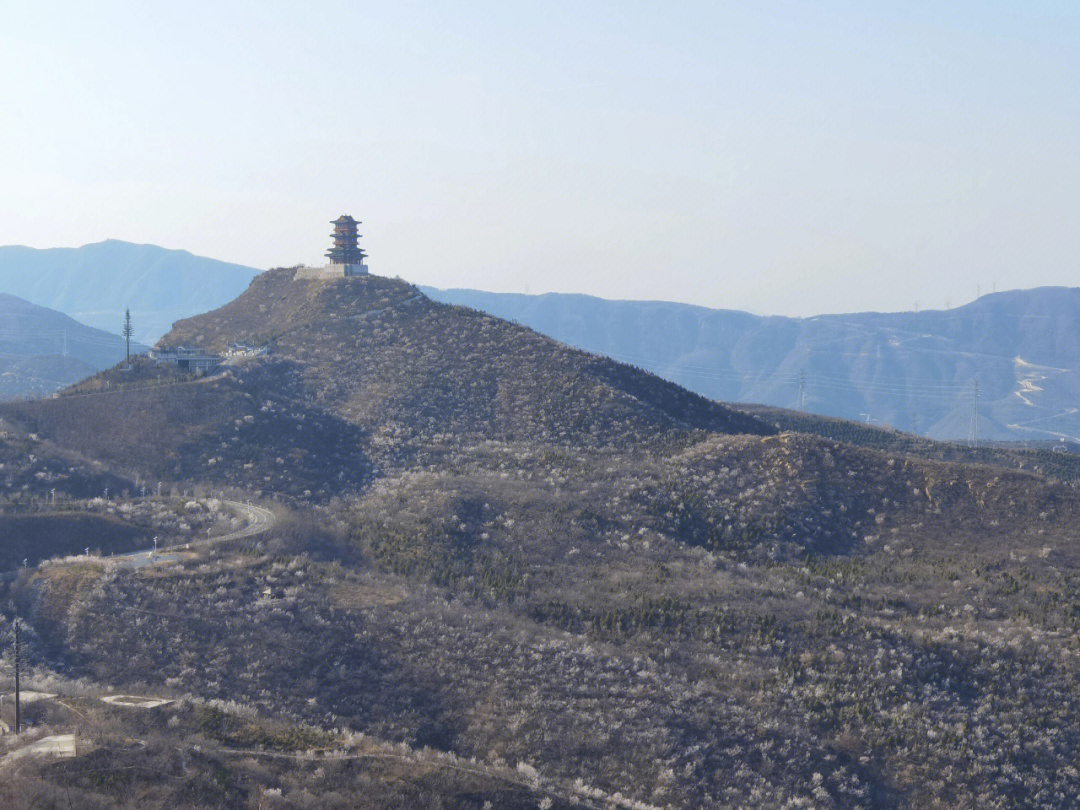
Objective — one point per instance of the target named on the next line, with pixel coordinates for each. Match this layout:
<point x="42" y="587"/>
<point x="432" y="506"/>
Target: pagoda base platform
<point x="330" y="271"/>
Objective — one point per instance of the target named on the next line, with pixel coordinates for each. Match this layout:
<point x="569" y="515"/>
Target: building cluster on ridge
<point x="346" y="259"/>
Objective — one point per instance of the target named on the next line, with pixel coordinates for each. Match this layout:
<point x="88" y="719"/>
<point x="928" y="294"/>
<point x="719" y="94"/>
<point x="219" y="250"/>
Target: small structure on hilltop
<point x="187" y="359"/>
<point x="346" y="257"/>
<point x="245" y="350"/>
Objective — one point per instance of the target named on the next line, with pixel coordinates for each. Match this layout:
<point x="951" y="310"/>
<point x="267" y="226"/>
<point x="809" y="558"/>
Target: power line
<point x="764" y="376"/>
<point x="919" y="390"/>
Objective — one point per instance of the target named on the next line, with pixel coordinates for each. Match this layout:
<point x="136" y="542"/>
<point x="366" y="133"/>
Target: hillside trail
<point x="260" y="520"/>
<point x="371" y="313"/>
<point x="128" y="388"/>
<point x="58" y="746"/>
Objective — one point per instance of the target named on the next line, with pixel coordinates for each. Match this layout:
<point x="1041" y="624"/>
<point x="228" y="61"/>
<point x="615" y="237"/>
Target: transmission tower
<point x="800" y="402"/>
<point x="973" y="429"/>
<point x="127" y="333"/>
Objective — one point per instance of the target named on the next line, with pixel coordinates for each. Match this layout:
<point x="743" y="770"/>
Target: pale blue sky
<point x="782" y="157"/>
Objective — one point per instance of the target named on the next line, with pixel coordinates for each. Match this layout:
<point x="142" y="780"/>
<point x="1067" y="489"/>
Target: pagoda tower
<point x="346" y="257"/>
<point x="345" y="250"/>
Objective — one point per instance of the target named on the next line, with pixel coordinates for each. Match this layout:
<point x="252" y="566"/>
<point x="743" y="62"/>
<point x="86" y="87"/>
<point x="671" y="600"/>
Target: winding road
<point x="259" y="521"/>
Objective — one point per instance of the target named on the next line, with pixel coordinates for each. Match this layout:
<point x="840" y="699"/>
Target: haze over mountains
<point x="95" y="282"/>
<point x="911" y="370"/>
<point x="42" y="350"/>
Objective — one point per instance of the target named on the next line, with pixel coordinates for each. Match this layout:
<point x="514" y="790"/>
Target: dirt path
<point x="58" y="745"/>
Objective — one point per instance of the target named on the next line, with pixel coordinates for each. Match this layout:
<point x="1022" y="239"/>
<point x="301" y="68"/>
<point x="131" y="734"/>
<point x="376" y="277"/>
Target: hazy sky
<point x="782" y="157"/>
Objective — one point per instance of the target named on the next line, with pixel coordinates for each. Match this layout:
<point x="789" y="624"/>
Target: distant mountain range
<point x="94" y="283"/>
<point x="42" y="350"/>
<point x="915" y="371"/>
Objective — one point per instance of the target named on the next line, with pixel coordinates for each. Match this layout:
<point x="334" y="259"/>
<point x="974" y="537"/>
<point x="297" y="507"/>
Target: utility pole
<point x="18" y="706"/>
<point x="127" y="333"/>
<point x="800" y="402"/>
<point x="973" y="431"/>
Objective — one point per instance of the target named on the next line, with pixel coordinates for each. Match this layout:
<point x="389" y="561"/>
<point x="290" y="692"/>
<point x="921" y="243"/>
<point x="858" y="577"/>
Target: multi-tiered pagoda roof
<point x="345" y="249"/>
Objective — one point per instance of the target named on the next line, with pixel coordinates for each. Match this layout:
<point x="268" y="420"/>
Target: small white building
<point x="187" y="359"/>
<point x="244" y="350"/>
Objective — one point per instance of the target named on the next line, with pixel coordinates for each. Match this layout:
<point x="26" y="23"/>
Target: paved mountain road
<point x="259" y="521"/>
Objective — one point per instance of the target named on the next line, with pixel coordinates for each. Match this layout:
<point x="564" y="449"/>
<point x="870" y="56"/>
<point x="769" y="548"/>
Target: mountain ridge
<point x="94" y="283"/>
<point x="42" y="350"/>
<point x="375" y="363"/>
<point x="912" y="370"/>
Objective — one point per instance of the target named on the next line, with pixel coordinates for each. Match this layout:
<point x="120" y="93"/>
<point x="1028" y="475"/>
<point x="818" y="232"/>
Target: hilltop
<point x="911" y="370"/>
<point x="360" y="372"/>
<point x="379" y="352"/>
